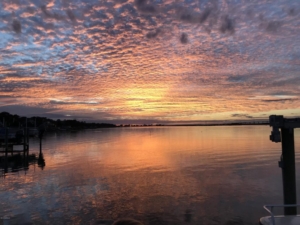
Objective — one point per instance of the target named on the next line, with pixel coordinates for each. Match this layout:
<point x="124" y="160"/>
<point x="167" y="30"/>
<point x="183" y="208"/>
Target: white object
<point x="279" y="220"/>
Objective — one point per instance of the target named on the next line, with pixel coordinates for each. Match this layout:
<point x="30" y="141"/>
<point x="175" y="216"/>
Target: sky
<point x="150" y="61"/>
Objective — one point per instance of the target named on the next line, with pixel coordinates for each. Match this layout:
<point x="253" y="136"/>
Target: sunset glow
<point x="156" y="61"/>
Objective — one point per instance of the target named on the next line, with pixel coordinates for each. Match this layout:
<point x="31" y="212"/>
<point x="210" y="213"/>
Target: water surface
<point x="159" y="175"/>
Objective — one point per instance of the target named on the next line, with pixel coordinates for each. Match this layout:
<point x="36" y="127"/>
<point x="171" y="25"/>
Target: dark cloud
<point x="153" y="34"/>
<point x="31" y="10"/>
<point x="6" y="96"/>
<point x="140" y="3"/>
<point x="148" y="9"/>
<point x="71" y="15"/>
<point x="261" y="17"/>
<point x="187" y="17"/>
<point x="72" y="103"/>
<point x="250" y="13"/>
<point x="7" y="88"/>
<point x="241" y="115"/>
<point x="121" y="1"/>
<point x="204" y="16"/>
<point x="184" y="38"/>
<point x="227" y="25"/>
<point x="273" y="26"/>
<point x="210" y="13"/>
<point x="16" y="25"/>
<point x="51" y="15"/>
<point x="45" y="11"/>
<point x="8" y="100"/>
<point x="292" y="12"/>
<point x="11" y="75"/>
<point x="286" y="93"/>
<point x="48" y="26"/>
<point x="143" y="6"/>
<point x="238" y="79"/>
<point x="24" y="110"/>
<point x="280" y="100"/>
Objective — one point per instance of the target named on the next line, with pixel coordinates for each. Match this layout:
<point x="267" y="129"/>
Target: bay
<point x="159" y="175"/>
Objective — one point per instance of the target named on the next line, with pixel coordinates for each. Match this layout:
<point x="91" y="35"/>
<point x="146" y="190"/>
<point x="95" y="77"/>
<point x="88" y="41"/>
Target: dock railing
<point x="270" y="208"/>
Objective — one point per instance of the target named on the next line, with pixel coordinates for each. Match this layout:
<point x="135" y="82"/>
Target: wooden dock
<point x="14" y="147"/>
<point x="14" y="151"/>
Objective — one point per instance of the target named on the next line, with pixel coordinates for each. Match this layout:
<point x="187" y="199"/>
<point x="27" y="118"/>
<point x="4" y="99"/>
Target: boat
<point x="279" y="219"/>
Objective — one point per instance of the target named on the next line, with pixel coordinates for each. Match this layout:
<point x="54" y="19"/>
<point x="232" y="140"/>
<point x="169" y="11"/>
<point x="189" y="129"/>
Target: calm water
<point x="220" y="175"/>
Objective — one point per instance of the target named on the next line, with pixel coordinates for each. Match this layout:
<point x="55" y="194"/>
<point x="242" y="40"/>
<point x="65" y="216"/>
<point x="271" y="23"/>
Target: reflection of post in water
<point x="41" y="161"/>
<point x="19" y="162"/>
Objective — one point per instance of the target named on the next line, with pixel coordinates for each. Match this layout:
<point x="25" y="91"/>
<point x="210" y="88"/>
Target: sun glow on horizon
<point x="115" y="61"/>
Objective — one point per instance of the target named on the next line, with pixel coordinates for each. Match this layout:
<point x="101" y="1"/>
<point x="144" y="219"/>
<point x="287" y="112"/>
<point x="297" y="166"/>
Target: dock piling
<point x="287" y="162"/>
<point x="289" y="170"/>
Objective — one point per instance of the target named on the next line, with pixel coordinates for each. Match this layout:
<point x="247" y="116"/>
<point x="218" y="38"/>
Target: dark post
<point x="6" y="148"/>
<point x="27" y="142"/>
<point x="41" y="133"/>
<point x="24" y="147"/>
<point x="27" y="138"/>
<point x="24" y="140"/>
<point x="6" y="142"/>
<point x="40" y="145"/>
<point x="288" y="170"/>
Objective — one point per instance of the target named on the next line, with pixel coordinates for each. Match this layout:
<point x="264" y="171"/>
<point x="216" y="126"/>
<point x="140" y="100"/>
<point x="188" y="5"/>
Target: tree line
<point x="11" y="120"/>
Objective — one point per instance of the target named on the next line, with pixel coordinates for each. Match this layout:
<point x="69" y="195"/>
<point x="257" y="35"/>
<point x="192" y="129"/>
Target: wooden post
<point x="6" y="141"/>
<point x="6" y="147"/>
<point x="41" y="134"/>
<point x="27" y="137"/>
<point x="288" y="170"/>
<point x="27" y="143"/>
<point x="24" y="139"/>
<point x="40" y="144"/>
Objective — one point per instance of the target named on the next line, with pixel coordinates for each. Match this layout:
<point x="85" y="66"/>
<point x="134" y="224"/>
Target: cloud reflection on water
<point x="218" y="174"/>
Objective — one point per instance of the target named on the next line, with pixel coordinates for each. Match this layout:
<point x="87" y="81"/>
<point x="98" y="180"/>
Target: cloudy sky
<point x="139" y="60"/>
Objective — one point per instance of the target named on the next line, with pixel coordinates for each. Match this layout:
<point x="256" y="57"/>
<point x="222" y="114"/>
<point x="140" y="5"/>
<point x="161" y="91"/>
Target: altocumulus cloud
<point x="162" y="60"/>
